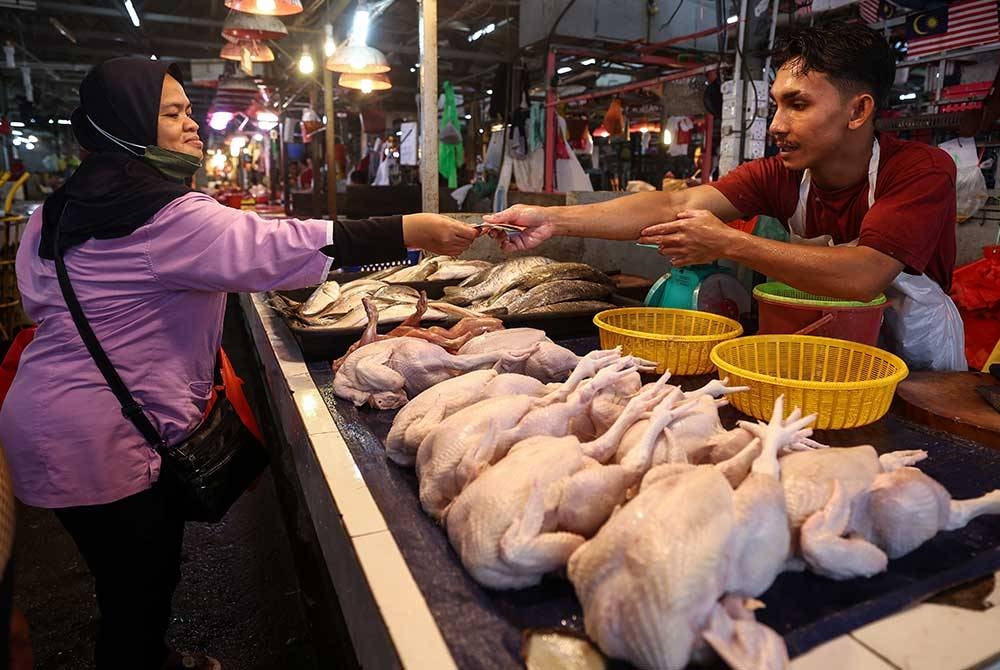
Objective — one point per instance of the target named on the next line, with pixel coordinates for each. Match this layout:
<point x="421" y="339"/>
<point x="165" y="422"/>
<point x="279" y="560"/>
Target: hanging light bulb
<point x="667" y="137"/>
<point x="269" y="7"/>
<point x="306" y="64"/>
<point x="366" y="83"/>
<point x="329" y="46"/>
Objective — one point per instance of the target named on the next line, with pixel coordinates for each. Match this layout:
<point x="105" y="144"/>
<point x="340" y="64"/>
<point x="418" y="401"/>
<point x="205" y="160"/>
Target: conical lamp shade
<point x="365" y="82"/>
<point x="357" y="59"/>
<point x="267" y="7"/>
<point x="253" y="27"/>
<point x="259" y="53"/>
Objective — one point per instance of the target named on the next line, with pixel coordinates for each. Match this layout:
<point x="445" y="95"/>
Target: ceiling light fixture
<point x="366" y="83"/>
<point x="219" y="120"/>
<point x="63" y="30"/>
<point x="131" y="13"/>
<point x="564" y="70"/>
<point x="732" y="19"/>
<point x="356" y="57"/>
<point x="266" y="7"/>
<point x="267" y="120"/>
<point x="242" y="26"/>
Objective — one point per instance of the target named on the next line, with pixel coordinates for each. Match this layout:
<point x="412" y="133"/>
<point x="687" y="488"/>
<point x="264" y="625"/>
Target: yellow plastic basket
<point x="845" y="383"/>
<point x="679" y="340"/>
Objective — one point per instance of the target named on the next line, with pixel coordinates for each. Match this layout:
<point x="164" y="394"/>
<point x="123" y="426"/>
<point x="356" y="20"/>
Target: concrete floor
<point x="252" y="594"/>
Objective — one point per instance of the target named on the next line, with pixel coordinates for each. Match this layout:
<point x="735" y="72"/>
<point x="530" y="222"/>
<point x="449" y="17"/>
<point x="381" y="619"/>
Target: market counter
<point x="407" y="602"/>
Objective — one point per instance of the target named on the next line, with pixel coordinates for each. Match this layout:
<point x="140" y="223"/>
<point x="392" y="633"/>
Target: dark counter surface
<point x="483" y="628"/>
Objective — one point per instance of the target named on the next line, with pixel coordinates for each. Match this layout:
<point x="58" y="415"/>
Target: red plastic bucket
<point x="785" y="310"/>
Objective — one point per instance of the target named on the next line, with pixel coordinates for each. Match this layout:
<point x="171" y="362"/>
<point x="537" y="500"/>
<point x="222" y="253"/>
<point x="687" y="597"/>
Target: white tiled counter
<point x="388" y="619"/>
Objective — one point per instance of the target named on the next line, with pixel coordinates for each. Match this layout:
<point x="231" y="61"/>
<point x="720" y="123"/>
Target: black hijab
<point x="112" y="192"/>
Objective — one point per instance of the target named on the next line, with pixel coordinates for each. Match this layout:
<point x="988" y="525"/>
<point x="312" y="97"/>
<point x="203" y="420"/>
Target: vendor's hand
<point x="534" y="221"/>
<point x="697" y="236"/>
<point x="437" y="234"/>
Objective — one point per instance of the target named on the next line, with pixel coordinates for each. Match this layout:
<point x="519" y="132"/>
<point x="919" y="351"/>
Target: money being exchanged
<point x="505" y="227"/>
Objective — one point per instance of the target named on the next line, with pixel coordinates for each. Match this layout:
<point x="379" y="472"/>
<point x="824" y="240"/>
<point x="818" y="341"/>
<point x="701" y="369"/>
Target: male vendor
<point x="866" y="213"/>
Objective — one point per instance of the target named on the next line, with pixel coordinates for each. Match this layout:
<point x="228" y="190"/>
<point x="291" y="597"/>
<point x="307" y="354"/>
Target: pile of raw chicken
<point x="667" y="525"/>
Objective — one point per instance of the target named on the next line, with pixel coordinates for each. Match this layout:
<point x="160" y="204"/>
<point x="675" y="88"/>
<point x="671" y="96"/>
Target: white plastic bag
<point x="923" y="326"/>
<point x="970" y="184"/>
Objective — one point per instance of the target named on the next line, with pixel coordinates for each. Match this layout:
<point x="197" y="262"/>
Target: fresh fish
<point x="572" y="306"/>
<point x="500" y="303"/>
<point x="507" y="274"/>
<point x="382" y="274"/>
<point x="418" y="272"/>
<point x="554" y="272"/>
<point x="480" y="276"/>
<point x="554" y="292"/>
<point x="395" y="293"/>
<point x="361" y="286"/>
<point x="458" y="269"/>
<point x="325" y="295"/>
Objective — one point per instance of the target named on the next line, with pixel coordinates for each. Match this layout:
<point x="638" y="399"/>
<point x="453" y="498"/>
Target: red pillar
<point x="550" y="122"/>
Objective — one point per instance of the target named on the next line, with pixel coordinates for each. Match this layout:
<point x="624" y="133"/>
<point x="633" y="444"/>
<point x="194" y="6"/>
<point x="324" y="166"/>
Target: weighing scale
<point x="706" y="288"/>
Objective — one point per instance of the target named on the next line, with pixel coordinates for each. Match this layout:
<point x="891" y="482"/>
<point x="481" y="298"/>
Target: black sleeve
<point x="364" y="241"/>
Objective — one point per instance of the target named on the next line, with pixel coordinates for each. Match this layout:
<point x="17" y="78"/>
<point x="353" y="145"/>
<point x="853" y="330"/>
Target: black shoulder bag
<point x="208" y="470"/>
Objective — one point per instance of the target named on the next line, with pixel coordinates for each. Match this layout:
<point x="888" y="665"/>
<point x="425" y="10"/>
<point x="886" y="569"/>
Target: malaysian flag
<point x="960" y="24"/>
<point x="873" y="11"/>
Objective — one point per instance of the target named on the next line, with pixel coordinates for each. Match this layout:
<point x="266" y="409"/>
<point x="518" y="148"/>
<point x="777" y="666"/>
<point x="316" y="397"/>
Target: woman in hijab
<point x="150" y="261"/>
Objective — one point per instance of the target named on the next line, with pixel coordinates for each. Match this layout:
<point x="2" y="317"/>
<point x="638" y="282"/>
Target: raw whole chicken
<point x="464" y="444"/>
<point x="852" y="510"/>
<point x="510" y="339"/>
<point x="424" y="412"/>
<point x="651" y="580"/>
<point x="525" y="515"/>
<point x="451" y="339"/>
<point x="688" y="433"/>
<point x="385" y="374"/>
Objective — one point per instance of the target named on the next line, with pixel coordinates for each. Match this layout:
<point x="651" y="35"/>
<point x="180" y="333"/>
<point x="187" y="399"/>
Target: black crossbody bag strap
<point x="131" y="410"/>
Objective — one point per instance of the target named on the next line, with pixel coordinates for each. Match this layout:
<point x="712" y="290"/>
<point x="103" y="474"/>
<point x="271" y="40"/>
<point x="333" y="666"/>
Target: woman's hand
<point x="533" y="220"/>
<point x="438" y="234"/>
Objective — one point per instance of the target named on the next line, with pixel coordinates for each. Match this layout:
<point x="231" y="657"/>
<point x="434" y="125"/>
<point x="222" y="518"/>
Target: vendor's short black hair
<point x="853" y="56"/>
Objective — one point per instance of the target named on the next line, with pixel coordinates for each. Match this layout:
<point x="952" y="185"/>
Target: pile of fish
<point x="533" y="285"/>
<point x="432" y="268"/>
<point x="334" y="305"/>
<point x="667" y="525"/>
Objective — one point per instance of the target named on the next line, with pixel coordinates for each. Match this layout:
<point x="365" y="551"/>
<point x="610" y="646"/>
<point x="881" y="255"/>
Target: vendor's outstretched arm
<point x="850" y="273"/>
<point x="618" y="219"/>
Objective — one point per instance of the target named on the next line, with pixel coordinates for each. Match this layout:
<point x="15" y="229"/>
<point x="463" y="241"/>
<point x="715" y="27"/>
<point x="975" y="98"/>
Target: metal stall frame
<point x="630" y="52"/>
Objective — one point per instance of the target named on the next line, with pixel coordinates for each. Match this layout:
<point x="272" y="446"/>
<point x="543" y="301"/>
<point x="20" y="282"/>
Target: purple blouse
<point x="155" y="299"/>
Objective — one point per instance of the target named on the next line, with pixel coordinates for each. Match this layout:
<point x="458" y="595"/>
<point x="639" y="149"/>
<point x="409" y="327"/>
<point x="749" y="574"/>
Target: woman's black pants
<point x="133" y="549"/>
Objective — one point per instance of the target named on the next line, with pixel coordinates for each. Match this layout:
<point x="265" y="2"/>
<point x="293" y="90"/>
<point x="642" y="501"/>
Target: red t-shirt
<point x="912" y="220"/>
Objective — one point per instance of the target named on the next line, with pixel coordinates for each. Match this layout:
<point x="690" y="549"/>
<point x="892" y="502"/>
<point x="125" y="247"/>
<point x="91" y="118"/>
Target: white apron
<point x="922" y="324"/>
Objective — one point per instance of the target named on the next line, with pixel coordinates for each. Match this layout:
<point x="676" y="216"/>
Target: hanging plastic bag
<point x="614" y="120"/>
<point x="450" y="134"/>
<point x="450" y="154"/>
<point x="970" y="184"/>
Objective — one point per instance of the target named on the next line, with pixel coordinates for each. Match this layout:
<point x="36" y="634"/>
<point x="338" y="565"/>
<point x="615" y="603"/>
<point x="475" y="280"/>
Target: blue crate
<point x="412" y="258"/>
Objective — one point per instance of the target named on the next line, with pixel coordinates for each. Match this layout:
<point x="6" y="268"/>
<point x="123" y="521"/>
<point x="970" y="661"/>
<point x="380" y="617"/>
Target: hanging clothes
<point x="536" y="126"/>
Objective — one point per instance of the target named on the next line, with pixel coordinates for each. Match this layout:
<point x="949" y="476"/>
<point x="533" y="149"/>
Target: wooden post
<point x="316" y="155"/>
<point x="428" y="106"/>
<point x="331" y="154"/>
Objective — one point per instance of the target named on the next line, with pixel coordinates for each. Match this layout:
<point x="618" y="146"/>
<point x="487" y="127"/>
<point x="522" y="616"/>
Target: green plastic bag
<point x="450" y="154"/>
